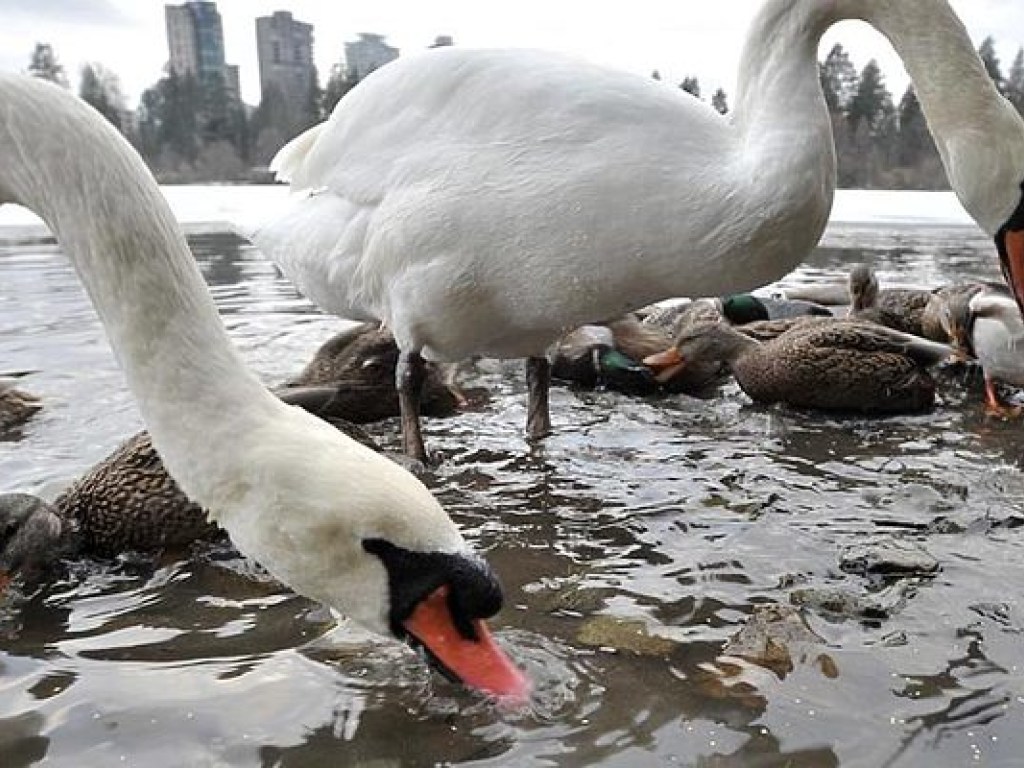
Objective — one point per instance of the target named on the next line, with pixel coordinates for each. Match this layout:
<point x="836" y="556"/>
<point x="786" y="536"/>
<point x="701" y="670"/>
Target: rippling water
<point x="633" y="544"/>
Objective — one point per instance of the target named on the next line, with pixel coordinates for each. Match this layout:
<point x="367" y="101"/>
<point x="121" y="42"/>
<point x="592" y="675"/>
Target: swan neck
<point x="93" y="191"/>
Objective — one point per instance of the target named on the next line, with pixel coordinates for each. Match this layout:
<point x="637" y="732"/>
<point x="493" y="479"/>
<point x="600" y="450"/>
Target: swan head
<point x="31" y="534"/>
<point x="343" y="525"/>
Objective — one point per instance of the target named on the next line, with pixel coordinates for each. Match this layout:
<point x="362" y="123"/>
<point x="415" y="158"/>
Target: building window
<point x="275" y="52"/>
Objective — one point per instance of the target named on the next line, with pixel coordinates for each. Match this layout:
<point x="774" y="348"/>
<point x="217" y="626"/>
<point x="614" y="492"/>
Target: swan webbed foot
<point x="538" y="382"/>
<point x="410" y="375"/>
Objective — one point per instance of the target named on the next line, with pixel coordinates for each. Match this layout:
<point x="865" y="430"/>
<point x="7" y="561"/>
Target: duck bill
<point x="1011" y="254"/>
<point x="665" y="364"/>
<point x="478" y="662"/>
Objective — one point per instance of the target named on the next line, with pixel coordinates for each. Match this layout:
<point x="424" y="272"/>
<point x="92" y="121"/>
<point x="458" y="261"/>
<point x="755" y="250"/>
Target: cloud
<point x="97" y="13"/>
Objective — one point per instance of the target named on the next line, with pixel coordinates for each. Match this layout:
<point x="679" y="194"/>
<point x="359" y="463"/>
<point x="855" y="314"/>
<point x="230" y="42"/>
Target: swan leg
<point x="410" y="374"/>
<point x="996" y="407"/>
<point x="538" y="380"/>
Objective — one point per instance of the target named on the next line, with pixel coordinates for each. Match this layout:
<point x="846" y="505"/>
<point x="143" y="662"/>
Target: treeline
<point x="192" y="131"/>
<point x="881" y="144"/>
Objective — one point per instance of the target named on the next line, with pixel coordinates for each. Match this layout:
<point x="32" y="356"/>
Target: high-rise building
<point x="284" y="47"/>
<point x="366" y="54"/>
<point x="195" y="42"/>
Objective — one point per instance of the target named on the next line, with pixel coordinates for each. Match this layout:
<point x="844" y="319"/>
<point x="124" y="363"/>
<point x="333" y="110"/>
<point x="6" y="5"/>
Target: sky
<point x="678" y="38"/>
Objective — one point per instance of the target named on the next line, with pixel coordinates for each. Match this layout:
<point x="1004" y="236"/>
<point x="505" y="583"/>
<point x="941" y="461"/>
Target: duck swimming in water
<point x="835" y="365"/>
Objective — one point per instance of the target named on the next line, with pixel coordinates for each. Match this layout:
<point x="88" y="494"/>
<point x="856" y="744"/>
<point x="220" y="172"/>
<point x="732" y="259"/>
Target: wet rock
<point x="839" y="602"/>
<point x="774" y="635"/>
<point x="624" y="635"/>
<point x="888" y="557"/>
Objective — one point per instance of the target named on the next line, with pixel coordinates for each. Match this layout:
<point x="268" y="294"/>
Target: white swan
<point x="331" y="519"/>
<point x="484" y="201"/>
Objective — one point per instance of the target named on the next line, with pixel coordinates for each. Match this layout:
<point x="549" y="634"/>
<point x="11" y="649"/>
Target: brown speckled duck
<point x="837" y="365"/>
<point x="899" y="308"/>
<point x="127" y="502"/>
<point x="16" y="406"/>
<point x="987" y="326"/>
<point x="360" y="361"/>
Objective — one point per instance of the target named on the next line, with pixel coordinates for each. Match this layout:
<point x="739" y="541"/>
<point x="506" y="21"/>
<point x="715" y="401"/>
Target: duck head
<point x="863" y="287"/>
<point x="702" y="342"/>
<point x="30" y="537"/>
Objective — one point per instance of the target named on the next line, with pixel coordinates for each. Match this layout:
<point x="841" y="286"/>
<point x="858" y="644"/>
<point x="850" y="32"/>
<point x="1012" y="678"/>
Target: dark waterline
<point x="633" y="544"/>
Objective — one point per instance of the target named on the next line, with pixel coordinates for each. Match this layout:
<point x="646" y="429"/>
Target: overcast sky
<point x="676" y="37"/>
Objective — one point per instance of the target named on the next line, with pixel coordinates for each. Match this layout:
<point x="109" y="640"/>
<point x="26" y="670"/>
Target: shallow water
<point x="633" y="544"/>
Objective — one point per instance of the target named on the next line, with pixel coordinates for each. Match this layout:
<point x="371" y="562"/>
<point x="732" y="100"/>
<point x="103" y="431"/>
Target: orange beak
<point x="665" y="364"/>
<point x="1012" y="256"/>
<point x="478" y="663"/>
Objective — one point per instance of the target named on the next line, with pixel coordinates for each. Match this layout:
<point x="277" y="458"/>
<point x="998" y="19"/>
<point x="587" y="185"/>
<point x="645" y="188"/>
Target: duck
<point x="359" y="362"/>
<point x="899" y="308"/>
<point x="16" y="405"/>
<point x="323" y="514"/>
<point x="986" y="326"/>
<point x="829" y="365"/>
<point x="472" y="199"/>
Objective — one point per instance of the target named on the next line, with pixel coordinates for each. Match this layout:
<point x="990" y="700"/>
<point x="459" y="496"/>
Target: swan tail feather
<point x="290" y="157"/>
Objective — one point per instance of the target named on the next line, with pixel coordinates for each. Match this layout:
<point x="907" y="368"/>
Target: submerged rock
<point x="624" y="635"/>
<point x="774" y="635"/>
<point x="888" y="557"/>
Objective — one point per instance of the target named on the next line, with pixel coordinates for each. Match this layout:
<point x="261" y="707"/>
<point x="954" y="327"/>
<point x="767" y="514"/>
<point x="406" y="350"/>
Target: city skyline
<point x="677" y="39"/>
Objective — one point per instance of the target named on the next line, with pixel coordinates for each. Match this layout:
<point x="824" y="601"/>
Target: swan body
<point x="485" y="201"/>
<point x="322" y="513"/>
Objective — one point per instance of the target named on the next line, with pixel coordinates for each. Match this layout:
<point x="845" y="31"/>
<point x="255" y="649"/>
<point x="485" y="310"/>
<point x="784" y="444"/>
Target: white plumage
<point x="295" y="494"/>
<point x="484" y="201"/>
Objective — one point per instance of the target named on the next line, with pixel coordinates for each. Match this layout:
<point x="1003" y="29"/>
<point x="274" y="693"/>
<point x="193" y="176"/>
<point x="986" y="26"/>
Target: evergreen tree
<point x="691" y="85"/>
<point x="655" y="75"/>
<point x="913" y="138"/>
<point x="102" y="89"/>
<point x="987" y="52"/>
<point x="720" y="102"/>
<point x="871" y="105"/>
<point x="839" y="80"/>
<point x="1015" y="81"/>
<point x="43" y="64"/>
<point x="339" y="83"/>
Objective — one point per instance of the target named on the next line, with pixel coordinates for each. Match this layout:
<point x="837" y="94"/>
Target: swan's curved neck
<point x="111" y="219"/>
<point x="979" y="135"/>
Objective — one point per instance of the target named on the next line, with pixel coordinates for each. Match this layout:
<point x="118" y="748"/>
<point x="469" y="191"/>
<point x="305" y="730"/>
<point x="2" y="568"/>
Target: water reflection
<point x="632" y="544"/>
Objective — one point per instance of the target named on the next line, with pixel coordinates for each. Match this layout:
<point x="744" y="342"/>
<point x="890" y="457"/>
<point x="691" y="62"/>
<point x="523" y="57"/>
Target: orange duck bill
<point x="476" y="662"/>
<point x="665" y="364"/>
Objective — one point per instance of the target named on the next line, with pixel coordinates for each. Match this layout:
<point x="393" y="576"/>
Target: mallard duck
<point x="591" y="356"/>
<point x="935" y="320"/>
<point x="608" y="355"/>
<point x="360" y="362"/>
<point x="16" y="405"/>
<point x="899" y="308"/>
<point x="126" y="502"/>
<point x="485" y="216"/>
<point x="987" y="325"/>
<point x="828" y="364"/>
